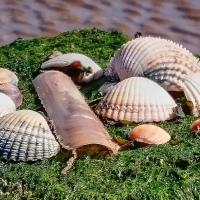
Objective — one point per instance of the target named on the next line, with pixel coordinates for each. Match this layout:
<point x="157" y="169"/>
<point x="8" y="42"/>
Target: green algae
<point x="154" y="172"/>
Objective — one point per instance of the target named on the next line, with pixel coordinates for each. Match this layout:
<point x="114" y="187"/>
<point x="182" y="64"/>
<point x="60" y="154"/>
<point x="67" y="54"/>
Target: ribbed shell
<point x="158" y="59"/>
<point x="149" y="134"/>
<point x="65" y="60"/>
<point x="7" y="76"/>
<point x="25" y="136"/>
<point x="192" y="91"/>
<point x="137" y="99"/>
<point x="6" y="105"/>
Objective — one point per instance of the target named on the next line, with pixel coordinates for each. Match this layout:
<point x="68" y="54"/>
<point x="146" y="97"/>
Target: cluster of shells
<point x="140" y="76"/>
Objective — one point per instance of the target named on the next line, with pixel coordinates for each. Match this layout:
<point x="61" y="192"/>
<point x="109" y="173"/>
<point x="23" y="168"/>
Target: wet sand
<point x="178" y="20"/>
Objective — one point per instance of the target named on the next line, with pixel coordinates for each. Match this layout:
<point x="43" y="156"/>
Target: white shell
<point x="67" y="59"/>
<point x="6" y="105"/>
<point x="137" y="99"/>
<point x="158" y="59"/>
<point x="25" y="135"/>
<point x="192" y="92"/>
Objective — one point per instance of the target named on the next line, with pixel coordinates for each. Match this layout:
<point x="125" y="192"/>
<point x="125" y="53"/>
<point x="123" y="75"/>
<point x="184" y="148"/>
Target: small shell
<point x="25" y="136"/>
<point x="137" y="99"/>
<point x="74" y="61"/>
<point x="106" y="87"/>
<point x="13" y="92"/>
<point x="7" y="76"/>
<point x="192" y="92"/>
<point x="158" y="59"/>
<point x="6" y="105"/>
<point x="195" y="126"/>
<point x="149" y="134"/>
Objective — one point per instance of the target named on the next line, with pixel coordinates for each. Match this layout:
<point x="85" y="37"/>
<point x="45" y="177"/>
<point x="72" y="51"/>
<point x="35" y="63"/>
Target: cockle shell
<point x="75" y="60"/>
<point x="191" y="90"/>
<point x="7" y="76"/>
<point x="25" y="136"/>
<point x="149" y="134"/>
<point x="13" y="92"/>
<point x="137" y="99"/>
<point x="6" y="105"/>
<point x="160" y="60"/>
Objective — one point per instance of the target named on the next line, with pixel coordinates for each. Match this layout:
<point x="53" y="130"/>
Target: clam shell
<point x="191" y="90"/>
<point x="149" y="134"/>
<point x="158" y="59"/>
<point x="6" y="105"/>
<point x="137" y="99"/>
<point x="13" y="92"/>
<point x="25" y="136"/>
<point x="76" y="60"/>
<point x="7" y="76"/>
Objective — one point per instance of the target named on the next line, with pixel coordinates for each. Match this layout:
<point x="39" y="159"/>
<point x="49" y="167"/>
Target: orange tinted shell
<point x="195" y="126"/>
<point x="149" y="134"/>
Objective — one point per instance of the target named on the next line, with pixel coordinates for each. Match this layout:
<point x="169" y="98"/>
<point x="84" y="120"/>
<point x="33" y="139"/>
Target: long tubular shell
<point x="160" y="60"/>
<point x="25" y="136"/>
<point x="13" y="92"/>
<point x="191" y="90"/>
<point x="7" y="76"/>
<point x="149" y="134"/>
<point x="75" y="60"/>
<point x="6" y="105"/>
<point x="137" y="99"/>
<point x="76" y="125"/>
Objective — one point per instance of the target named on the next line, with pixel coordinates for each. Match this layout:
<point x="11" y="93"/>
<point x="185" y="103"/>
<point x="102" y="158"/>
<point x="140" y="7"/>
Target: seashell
<point x="192" y="92"/>
<point x="160" y="60"/>
<point x="76" y="125"/>
<point x="25" y="136"/>
<point x="137" y="99"/>
<point x="147" y="134"/>
<point x="6" y="105"/>
<point x="7" y="76"/>
<point x="81" y="68"/>
<point x="195" y="126"/>
<point x="13" y="92"/>
<point x="106" y="87"/>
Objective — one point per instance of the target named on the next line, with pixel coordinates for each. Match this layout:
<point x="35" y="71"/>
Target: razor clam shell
<point x="160" y="60"/>
<point x="13" y="92"/>
<point x="75" y="123"/>
<point x="7" y="76"/>
<point x="65" y="60"/>
<point x="137" y="99"/>
<point x="6" y="105"/>
<point x="25" y="136"/>
<point x="149" y="134"/>
<point x="191" y="90"/>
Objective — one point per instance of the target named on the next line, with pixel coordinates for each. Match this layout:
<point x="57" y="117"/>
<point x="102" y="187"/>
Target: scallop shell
<point x="191" y="90"/>
<point x="160" y="60"/>
<point x="149" y="134"/>
<point x="76" y="60"/>
<point x="137" y="99"/>
<point x="25" y="136"/>
<point x="6" y="105"/>
<point x="7" y="76"/>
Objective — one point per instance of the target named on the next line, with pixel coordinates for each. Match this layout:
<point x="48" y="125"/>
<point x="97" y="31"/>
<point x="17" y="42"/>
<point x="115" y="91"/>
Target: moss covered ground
<point x="154" y="172"/>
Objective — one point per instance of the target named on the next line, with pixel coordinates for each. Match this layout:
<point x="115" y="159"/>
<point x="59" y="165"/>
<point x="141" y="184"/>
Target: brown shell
<point x="75" y="123"/>
<point x="149" y="134"/>
<point x="7" y="76"/>
<point x="25" y="135"/>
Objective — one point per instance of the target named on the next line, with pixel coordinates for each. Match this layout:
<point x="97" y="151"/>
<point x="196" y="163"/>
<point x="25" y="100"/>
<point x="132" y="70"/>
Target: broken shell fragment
<point x="160" y="60"/>
<point x="195" y="126"/>
<point x="137" y="99"/>
<point x="147" y="134"/>
<point x="7" y="76"/>
<point x="25" y="136"/>
<point x="13" y="92"/>
<point x="81" y="68"/>
<point x="76" y="125"/>
<point x="191" y="90"/>
<point x="6" y="105"/>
